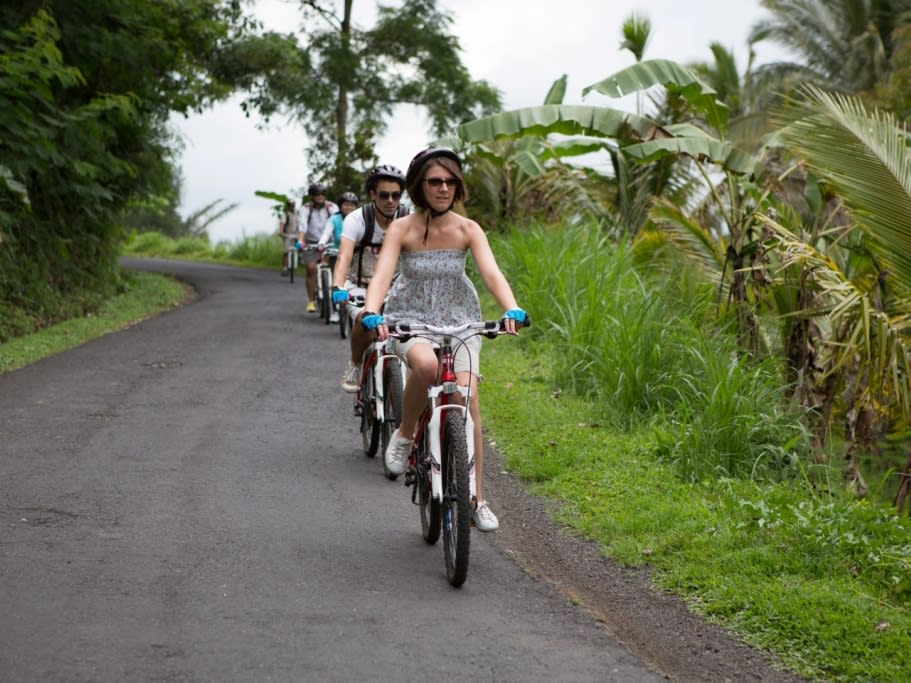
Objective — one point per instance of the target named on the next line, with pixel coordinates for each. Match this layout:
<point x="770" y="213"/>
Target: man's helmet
<point x="426" y="155"/>
<point x="385" y="172"/>
<point x="347" y="197"/>
<point x="316" y="188"/>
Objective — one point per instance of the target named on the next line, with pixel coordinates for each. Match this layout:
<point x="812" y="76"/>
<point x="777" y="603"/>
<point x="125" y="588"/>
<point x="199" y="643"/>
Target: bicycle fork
<point x="433" y="434"/>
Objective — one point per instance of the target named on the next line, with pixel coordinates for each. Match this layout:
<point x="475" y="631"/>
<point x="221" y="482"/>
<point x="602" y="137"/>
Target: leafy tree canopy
<point x="342" y="82"/>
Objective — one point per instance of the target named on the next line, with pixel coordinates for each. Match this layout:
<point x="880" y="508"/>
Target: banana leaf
<point x="677" y="79"/>
<point x="558" y="118"/>
<point x="275" y="196"/>
<point x="702" y="148"/>
<point x="557" y="91"/>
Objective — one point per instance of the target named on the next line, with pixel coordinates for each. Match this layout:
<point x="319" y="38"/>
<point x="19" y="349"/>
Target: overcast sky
<point x="521" y="52"/>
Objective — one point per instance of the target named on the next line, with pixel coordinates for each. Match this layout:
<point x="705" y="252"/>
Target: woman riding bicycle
<point x="432" y="288"/>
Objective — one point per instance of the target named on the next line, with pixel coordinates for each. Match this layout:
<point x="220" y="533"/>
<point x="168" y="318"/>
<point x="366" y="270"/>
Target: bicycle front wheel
<point x="343" y="322"/>
<point x="392" y="407"/>
<point x="456" y="499"/>
<point x="370" y="426"/>
<point x="430" y="508"/>
<point x="292" y="264"/>
<point x="326" y="286"/>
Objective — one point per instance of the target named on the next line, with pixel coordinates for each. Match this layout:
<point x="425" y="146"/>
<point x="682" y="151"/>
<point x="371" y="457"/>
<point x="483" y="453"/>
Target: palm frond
<point x="858" y="330"/>
<point x="690" y="238"/>
<point x="863" y="156"/>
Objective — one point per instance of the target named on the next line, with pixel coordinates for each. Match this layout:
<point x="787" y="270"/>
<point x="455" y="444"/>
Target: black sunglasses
<point x="386" y="195"/>
<point x="437" y="182"/>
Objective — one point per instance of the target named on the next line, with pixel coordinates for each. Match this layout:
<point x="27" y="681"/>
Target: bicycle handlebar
<point x="488" y="328"/>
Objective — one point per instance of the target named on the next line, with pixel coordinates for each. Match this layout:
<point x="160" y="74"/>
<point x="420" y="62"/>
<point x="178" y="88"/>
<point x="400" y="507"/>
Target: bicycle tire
<point x="326" y="301"/>
<point x="370" y="426"/>
<point x="456" y="512"/>
<point x="392" y="408"/>
<point x="343" y="322"/>
<point x="291" y="261"/>
<point x="430" y="509"/>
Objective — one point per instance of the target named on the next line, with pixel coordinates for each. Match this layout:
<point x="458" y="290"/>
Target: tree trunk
<point x="903" y="496"/>
<point x="341" y="104"/>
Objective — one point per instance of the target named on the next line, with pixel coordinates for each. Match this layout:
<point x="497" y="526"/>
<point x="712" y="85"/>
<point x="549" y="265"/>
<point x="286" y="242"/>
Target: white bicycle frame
<point x="381" y="348"/>
<point x="330" y="251"/>
<point x="293" y="258"/>
<point x="382" y="355"/>
<point x="433" y="440"/>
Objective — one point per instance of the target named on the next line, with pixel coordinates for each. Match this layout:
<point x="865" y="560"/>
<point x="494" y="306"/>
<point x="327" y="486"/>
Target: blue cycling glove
<point x="518" y="315"/>
<point x="298" y="245"/>
<point x="371" y="321"/>
<point x="339" y="295"/>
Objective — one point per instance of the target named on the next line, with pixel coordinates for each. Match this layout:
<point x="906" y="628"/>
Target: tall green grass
<point x="643" y="347"/>
<point x="631" y="405"/>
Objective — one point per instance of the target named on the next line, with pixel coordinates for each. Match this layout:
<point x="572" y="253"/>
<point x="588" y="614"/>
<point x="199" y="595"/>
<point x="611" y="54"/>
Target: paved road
<point x="186" y="500"/>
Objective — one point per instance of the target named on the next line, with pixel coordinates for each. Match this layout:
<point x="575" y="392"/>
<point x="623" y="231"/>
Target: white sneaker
<point x="333" y="317"/>
<point x="397" y="453"/>
<point x="352" y="379"/>
<point x="483" y="518"/>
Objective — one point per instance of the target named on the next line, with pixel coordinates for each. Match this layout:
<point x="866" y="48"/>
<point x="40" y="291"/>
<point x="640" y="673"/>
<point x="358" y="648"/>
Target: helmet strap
<point x="388" y="216"/>
<point x="433" y="214"/>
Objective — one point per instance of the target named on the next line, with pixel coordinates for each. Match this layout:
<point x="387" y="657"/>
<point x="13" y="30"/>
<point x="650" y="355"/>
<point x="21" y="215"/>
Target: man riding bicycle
<point x="287" y="230"/>
<point x="312" y="221"/>
<point x="362" y="236"/>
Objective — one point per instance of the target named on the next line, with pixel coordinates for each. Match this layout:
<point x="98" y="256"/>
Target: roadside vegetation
<point x="141" y="295"/>
<point x="256" y="251"/>
<point x="627" y="404"/>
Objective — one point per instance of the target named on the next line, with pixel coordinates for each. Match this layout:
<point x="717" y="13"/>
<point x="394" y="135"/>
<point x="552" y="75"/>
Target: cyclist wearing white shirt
<point x="312" y="220"/>
<point x="362" y="236"/>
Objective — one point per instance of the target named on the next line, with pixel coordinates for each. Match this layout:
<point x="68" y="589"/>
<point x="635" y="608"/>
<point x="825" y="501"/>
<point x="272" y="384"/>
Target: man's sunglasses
<point x="386" y="195"/>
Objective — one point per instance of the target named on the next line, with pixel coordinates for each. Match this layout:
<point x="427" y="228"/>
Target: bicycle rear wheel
<point x="392" y="407"/>
<point x="430" y="508"/>
<point x="326" y="287"/>
<point x="456" y="499"/>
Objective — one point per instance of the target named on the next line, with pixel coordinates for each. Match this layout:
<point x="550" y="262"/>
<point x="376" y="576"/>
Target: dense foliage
<point x="87" y="88"/>
<point x="803" y="233"/>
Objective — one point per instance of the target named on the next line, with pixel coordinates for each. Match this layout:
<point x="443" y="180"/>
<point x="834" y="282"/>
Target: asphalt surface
<point x="186" y="500"/>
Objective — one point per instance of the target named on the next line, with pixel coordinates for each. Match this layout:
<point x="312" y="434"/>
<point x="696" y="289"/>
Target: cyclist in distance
<point x="313" y="218"/>
<point x="430" y="248"/>
<point x="362" y="236"/>
<point x="332" y="234"/>
<point x="287" y="230"/>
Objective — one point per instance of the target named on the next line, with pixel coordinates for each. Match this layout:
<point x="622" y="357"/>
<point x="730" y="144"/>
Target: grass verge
<point x="144" y="294"/>
<point x="822" y="583"/>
